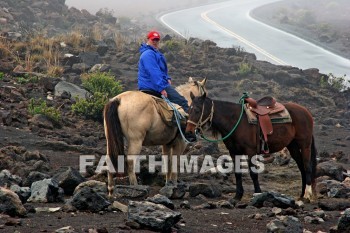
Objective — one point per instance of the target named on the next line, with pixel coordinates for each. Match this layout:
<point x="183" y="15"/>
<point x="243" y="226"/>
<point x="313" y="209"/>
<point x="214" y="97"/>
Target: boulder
<point x="152" y="215"/>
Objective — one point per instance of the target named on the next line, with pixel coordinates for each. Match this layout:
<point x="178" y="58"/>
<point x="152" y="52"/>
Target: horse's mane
<point x="183" y="87"/>
<point x="214" y="130"/>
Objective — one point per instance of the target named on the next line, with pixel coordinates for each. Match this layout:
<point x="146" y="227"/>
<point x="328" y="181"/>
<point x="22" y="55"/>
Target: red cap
<point x="153" y="35"/>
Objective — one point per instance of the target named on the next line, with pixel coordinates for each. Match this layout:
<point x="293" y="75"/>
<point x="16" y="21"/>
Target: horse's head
<point x="197" y="88"/>
<point x="200" y="113"/>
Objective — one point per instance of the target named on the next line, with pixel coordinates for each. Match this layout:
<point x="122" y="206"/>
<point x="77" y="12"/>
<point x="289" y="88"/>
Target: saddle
<point x="167" y="113"/>
<point x="264" y="112"/>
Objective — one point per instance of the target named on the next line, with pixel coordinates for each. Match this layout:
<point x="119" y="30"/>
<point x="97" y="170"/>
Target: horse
<point x="133" y="115"/>
<point x="297" y="136"/>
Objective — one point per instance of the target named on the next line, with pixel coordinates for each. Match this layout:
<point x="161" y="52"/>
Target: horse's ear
<point x="190" y="79"/>
<point x="203" y="82"/>
<point x="192" y="95"/>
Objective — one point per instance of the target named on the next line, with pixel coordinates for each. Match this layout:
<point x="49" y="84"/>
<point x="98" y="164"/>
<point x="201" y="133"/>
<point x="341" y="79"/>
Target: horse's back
<point x="136" y="110"/>
<point x="134" y="100"/>
<point x="302" y="120"/>
<point x="299" y="112"/>
<point x="132" y="95"/>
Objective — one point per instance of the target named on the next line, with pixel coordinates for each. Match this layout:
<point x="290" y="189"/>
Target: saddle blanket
<point x="278" y="117"/>
<point x="167" y="113"/>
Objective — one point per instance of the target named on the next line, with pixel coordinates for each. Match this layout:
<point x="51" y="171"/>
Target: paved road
<point x="229" y="24"/>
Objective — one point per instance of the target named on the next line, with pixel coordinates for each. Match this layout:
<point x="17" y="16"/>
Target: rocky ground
<point x="32" y="148"/>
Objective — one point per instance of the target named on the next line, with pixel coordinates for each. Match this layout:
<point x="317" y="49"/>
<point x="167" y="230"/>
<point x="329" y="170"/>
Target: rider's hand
<point x="164" y="93"/>
<point x="169" y="81"/>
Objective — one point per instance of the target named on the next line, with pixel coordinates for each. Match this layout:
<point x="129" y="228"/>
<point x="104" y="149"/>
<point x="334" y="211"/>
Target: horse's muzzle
<point x="190" y="127"/>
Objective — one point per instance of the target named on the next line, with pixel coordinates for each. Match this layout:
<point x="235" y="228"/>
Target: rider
<point x="153" y="75"/>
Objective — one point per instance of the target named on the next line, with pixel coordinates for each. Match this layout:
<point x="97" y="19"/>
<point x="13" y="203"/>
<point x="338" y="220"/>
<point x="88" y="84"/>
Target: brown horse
<point x="297" y="136"/>
<point x="133" y="115"/>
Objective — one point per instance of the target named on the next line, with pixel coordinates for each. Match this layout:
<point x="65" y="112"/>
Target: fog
<point x="134" y="8"/>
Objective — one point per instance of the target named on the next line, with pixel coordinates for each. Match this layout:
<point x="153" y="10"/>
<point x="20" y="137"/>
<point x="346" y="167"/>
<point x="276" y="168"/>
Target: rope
<point x="241" y="101"/>
<point x="178" y="117"/>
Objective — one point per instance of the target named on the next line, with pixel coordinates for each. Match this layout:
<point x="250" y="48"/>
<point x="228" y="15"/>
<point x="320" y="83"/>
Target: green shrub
<point x="2" y="75"/>
<point x="102" y="86"/>
<point x="91" y="108"/>
<point x="101" y="82"/>
<point x="244" y="68"/>
<point x="40" y="107"/>
<point x="27" y="79"/>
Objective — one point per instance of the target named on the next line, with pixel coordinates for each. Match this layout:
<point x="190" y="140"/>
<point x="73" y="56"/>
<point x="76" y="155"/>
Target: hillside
<point x="47" y="63"/>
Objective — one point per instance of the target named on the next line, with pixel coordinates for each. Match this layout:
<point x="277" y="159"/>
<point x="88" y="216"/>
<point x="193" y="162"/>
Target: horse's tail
<point x="313" y="162"/>
<point x="113" y="132"/>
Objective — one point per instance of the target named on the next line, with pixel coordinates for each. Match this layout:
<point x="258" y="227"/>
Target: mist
<point x="134" y="8"/>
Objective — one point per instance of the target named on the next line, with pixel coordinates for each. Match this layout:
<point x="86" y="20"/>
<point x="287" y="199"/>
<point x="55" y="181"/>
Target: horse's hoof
<point x="238" y="198"/>
<point x="170" y="183"/>
<point x="303" y="199"/>
<point x="233" y="201"/>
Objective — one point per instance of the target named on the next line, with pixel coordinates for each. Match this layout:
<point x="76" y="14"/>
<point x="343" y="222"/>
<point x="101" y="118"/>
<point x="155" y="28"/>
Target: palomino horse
<point x="133" y="115"/>
<point x="297" y="136"/>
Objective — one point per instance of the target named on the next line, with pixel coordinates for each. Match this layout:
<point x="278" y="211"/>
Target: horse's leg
<point x="134" y="149"/>
<point x="254" y="176"/>
<point x="177" y="149"/>
<point x="166" y="149"/>
<point x="313" y="168"/>
<point x="239" y="186"/>
<point x="306" y="156"/>
<point x="110" y="184"/>
<point x="296" y="155"/>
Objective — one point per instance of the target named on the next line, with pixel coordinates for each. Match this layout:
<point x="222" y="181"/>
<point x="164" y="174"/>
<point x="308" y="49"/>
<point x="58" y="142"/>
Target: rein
<point x="178" y="115"/>
<point x="210" y="117"/>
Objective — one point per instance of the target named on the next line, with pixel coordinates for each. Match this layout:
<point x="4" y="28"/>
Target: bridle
<point x="202" y="122"/>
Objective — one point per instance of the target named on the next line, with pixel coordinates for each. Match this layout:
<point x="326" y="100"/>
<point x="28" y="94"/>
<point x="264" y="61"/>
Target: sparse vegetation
<point x="239" y="49"/>
<point x="339" y="83"/>
<point x="37" y="50"/>
<point x="102" y="86"/>
<point x="244" y="68"/>
<point x="40" y="107"/>
<point x="120" y="40"/>
<point x="26" y="79"/>
<point x="102" y="82"/>
<point x="92" y="107"/>
<point x="173" y="45"/>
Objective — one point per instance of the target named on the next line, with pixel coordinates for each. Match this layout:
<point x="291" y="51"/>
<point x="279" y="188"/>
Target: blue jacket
<point x="153" y="70"/>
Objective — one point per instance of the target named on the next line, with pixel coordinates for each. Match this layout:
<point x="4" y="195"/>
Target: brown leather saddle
<point x="264" y="110"/>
